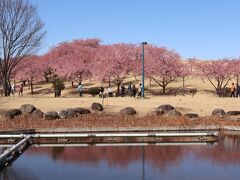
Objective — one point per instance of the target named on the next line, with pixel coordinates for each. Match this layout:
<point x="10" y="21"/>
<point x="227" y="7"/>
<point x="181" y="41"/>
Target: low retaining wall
<point x="138" y="129"/>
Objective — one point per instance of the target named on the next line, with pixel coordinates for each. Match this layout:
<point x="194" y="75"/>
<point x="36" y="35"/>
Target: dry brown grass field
<point x="203" y="102"/>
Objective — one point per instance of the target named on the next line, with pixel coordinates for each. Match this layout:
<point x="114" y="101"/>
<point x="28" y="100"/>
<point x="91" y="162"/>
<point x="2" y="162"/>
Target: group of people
<point x="12" y="88"/>
<point x="235" y="90"/>
<point x="131" y="90"/>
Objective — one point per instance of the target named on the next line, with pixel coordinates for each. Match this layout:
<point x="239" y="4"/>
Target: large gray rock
<point x="97" y="107"/>
<point x="51" y="115"/>
<point x="233" y="113"/>
<point x="80" y="111"/>
<point x="158" y="112"/>
<point x="71" y="113"/>
<point x="68" y="113"/>
<point x="8" y="115"/>
<point x="173" y="113"/>
<point x="15" y="112"/>
<point x="166" y="108"/>
<point x="27" y="108"/>
<point x="37" y="114"/>
<point x="63" y="114"/>
<point x="191" y="115"/>
<point x="11" y="113"/>
<point x="128" y="111"/>
<point x="218" y="112"/>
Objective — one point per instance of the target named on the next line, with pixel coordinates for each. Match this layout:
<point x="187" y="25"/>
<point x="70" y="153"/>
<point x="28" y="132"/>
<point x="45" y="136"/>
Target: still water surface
<point x="193" y="162"/>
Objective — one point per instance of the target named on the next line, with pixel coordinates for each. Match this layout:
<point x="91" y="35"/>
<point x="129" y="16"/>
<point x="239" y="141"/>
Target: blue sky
<point x="206" y="29"/>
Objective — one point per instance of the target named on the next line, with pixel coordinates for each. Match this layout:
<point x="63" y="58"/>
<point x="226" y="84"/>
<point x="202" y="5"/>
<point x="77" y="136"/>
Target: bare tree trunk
<point x="47" y="80"/>
<point x="118" y="89"/>
<point x="20" y="35"/>
<point x="164" y="89"/>
<point x="31" y="85"/>
<point x="164" y="86"/>
<point x="5" y="86"/>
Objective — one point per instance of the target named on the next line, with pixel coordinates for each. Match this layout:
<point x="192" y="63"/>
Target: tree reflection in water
<point x="146" y="162"/>
<point x="161" y="157"/>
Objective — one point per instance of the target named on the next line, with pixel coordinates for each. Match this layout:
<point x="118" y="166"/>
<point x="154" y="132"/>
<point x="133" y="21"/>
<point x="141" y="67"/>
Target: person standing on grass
<point x="237" y="90"/>
<point x="233" y="89"/>
<point x="20" y="92"/>
<point x="130" y="89"/>
<point x="13" y="89"/>
<point x="134" y="90"/>
<point x="110" y="94"/>
<point x="140" y="90"/>
<point x="123" y="90"/>
<point x="79" y="89"/>
<point x="101" y="92"/>
<point x="9" y="89"/>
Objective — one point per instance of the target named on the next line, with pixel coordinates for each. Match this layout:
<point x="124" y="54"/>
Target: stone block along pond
<point x="219" y="160"/>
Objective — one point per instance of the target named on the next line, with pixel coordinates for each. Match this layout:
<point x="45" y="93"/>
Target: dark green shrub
<point x="94" y="91"/>
<point x="193" y="91"/>
<point x="58" y="85"/>
<point x="226" y="92"/>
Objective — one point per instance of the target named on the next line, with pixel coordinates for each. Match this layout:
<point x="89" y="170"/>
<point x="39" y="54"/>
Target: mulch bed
<point x="96" y="120"/>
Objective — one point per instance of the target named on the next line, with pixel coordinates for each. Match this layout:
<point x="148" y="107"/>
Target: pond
<point x="162" y="161"/>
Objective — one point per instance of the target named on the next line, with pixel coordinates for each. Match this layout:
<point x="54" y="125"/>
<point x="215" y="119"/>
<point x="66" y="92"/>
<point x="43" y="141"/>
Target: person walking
<point x="140" y="90"/>
<point x="20" y="92"/>
<point x="130" y="89"/>
<point x="13" y="89"/>
<point x="101" y="92"/>
<point x="79" y="89"/>
<point x="237" y="90"/>
<point x="123" y="90"/>
<point x="9" y="89"/>
<point x="134" y="90"/>
<point x="233" y="89"/>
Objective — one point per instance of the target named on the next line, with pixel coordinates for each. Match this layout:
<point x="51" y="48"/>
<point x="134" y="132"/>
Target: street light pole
<point x="143" y="43"/>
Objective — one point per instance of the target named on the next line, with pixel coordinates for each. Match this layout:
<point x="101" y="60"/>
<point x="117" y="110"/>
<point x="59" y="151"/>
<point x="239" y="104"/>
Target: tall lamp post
<point x="143" y="43"/>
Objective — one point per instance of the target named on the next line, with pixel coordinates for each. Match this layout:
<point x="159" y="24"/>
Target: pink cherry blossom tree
<point x="162" y="66"/>
<point x="137" y="63"/>
<point x="74" y="60"/>
<point x="191" y="63"/>
<point x="218" y="73"/>
<point x="236" y="68"/>
<point x="114" y="63"/>
<point x="185" y="71"/>
<point x="31" y="69"/>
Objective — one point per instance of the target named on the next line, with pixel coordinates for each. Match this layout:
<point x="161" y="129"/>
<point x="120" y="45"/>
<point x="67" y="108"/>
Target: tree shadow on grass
<point x="42" y="91"/>
<point x="71" y="92"/>
<point x="207" y="91"/>
<point x="89" y="84"/>
<point x="37" y="87"/>
<point x="174" y="91"/>
<point x="226" y="92"/>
